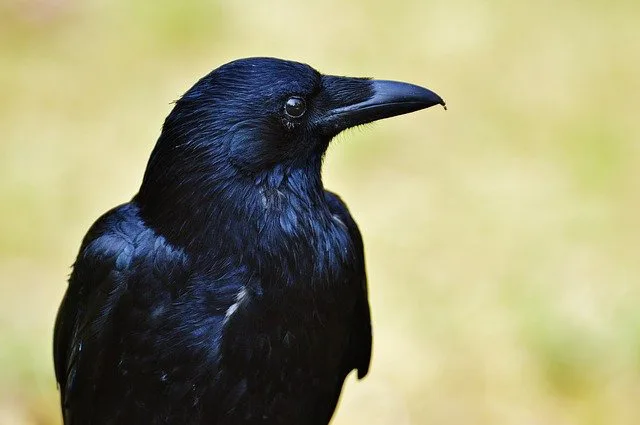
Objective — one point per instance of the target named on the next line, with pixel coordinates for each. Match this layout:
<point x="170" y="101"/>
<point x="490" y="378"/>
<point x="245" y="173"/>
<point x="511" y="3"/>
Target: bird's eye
<point x="295" y="107"/>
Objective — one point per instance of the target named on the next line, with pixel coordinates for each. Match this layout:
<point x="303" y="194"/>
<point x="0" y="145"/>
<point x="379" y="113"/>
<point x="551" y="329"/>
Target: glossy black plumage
<point x="232" y="288"/>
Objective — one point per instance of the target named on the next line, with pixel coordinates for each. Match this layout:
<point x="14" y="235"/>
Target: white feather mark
<point x="234" y="307"/>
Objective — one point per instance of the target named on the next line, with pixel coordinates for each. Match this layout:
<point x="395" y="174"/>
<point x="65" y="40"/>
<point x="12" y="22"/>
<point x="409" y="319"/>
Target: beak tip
<point x="431" y="98"/>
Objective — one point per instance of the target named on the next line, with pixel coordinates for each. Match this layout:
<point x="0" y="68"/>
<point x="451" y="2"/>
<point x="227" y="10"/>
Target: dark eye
<point x="295" y="107"/>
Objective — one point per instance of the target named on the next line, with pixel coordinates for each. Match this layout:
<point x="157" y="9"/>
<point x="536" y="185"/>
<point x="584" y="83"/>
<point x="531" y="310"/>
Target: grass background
<point x="502" y="236"/>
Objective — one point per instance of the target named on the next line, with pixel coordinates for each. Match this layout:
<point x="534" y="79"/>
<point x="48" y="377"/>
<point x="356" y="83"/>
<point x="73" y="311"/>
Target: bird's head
<point x="258" y="113"/>
<point x="253" y="133"/>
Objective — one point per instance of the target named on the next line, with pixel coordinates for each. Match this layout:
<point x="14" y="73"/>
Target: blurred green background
<point x="502" y="236"/>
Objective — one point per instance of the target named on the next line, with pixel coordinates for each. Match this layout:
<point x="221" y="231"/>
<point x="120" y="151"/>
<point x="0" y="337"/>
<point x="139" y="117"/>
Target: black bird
<point x="232" y="288"/>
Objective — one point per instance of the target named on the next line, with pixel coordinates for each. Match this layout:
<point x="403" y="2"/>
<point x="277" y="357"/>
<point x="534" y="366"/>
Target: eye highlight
<point x="295" y="107"/>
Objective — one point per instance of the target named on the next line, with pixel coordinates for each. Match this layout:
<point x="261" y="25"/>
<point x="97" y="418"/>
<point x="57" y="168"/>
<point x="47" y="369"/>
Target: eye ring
<point x="295" y="107"/>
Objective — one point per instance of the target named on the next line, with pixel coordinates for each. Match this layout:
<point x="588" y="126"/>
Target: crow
<point x="231" y="289"/>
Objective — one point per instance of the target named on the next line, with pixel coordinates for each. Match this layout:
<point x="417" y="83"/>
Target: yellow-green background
<point x="502" y="236"/>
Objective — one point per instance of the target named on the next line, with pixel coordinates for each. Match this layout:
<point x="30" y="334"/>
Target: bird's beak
<point x="385" y="99"/>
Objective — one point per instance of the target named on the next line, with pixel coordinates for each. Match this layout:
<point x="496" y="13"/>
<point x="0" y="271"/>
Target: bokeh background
<point x="502" y="236"/>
